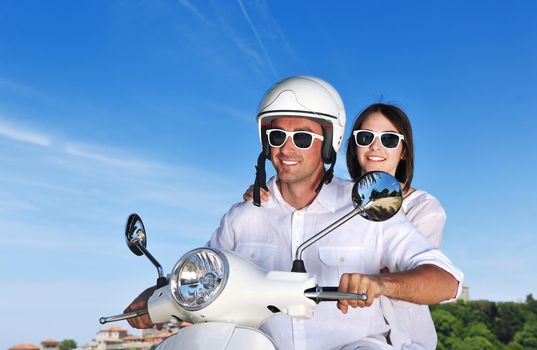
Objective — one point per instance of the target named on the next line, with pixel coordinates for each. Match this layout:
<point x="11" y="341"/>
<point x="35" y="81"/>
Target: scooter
<point x="227" y="298"/>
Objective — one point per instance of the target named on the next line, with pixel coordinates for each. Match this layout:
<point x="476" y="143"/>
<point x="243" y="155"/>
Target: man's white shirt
<point x="270" y="235"/>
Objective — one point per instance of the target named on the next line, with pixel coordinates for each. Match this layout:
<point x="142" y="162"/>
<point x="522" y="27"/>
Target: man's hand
<point x="141" y="322"/>
<point x="425" y="285"/>
<point x="358" y="283"/>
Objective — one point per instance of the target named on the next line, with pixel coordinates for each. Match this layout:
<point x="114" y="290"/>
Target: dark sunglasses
<point x="301" y="139"/>
<point x="388" y="139"/>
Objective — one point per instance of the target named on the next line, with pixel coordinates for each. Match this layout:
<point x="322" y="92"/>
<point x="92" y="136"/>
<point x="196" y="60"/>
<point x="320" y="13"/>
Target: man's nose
<point x="288" y="145"/>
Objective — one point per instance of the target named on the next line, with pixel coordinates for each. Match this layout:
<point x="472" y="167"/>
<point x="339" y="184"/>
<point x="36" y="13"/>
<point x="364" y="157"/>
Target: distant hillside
<point x="484" y="325"/>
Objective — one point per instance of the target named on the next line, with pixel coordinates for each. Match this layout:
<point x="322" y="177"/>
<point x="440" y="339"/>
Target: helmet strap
<point x="328" y="174"/>
<point x="260" y="178"/>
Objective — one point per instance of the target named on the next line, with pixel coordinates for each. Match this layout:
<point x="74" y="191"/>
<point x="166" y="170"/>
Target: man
<point x="301" y="124"/>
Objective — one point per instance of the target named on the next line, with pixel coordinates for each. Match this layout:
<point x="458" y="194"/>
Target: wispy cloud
<point x="276" y="31"/>
<point x="259" y="41"/>
<point x="71" y="172"/>
<point x="103" y="156"/>
<point x="196" y="12"/>
<point x="12" y="131"/>
<point x="225" y="22"/>
<point x="18" y="134"/>
<point x="242" y="115"/>
<point x="9" y="204"/>
<point x="21" y="89"/>
<point x="11" y="85"/>
<point x="253" y="57"/>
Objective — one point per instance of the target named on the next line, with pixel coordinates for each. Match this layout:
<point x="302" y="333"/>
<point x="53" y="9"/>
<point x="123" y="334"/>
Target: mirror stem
<point x="298" y="264"/>
<point x="151" y="258"/>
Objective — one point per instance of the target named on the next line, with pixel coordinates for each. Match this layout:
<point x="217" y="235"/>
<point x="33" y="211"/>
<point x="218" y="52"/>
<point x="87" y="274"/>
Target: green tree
<point x="484" y="324"/>
<point x="476" y="343"/>
<point x="513" y="346"/>
<point x="527" y="337"/>
<point x="509" y="320"/>
<point x="67" y="344"/>
<point x="448" y="328"/>
<point x="460" y="309"/>
<point x="483" y="311"/>
<point x="531" y="304"/>
<point x="450" y="344"/>
<point x="479" y="329"/>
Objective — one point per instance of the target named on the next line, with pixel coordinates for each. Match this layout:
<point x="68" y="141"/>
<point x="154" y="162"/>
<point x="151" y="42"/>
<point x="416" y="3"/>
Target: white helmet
<point x="305" y="97"/>
<point x="302" y="97"/>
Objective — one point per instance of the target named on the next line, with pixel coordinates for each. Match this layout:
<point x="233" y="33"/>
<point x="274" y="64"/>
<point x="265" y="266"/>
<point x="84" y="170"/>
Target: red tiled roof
<point x="113" y="329"/>
<point x="50" y="342"/>
<point x="131" y="338"/>
<point x="24" y="347"/>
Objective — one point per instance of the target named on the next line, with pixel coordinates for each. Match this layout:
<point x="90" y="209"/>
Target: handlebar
<point x="319" y="294"/>
<point x="124" y="316"/>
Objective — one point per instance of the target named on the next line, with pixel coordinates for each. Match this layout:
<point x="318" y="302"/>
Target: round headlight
<point x="199" y="277"/>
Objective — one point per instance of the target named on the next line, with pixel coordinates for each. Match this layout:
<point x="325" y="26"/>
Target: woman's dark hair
<point x="405" y="169"/>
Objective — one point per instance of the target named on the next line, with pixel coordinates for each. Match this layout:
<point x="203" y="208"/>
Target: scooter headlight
<point x="199" y="277"/>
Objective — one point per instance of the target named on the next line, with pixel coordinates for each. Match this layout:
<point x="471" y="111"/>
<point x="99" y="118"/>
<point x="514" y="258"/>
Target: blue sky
<point x="113" y="107"/>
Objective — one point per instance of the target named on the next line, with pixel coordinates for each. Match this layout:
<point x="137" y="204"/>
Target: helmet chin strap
<point x="260" y="178"/>
<point x="328" y="174"/>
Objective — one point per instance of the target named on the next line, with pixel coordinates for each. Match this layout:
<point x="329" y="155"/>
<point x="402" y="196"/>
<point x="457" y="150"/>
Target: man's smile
<point x="289" y="162"/>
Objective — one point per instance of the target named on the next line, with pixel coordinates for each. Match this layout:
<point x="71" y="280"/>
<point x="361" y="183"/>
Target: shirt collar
<point x="325" y="198"/>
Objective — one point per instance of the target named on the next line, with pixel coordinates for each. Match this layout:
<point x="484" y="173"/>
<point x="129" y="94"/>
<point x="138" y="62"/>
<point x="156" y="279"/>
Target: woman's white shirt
<point x="411" y="325"/>
<point x="427" y="214"/>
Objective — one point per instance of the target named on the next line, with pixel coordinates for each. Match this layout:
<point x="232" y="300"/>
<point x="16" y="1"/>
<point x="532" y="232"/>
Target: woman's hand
<point x="248" y="196"/>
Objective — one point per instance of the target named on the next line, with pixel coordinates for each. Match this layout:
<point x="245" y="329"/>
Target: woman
<point x="381" y="139"/>
<point x="393" y="152"/>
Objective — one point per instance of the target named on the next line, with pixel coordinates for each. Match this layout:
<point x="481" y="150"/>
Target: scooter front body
<point x="217" y="336"/>
<point x="250" y="296"/>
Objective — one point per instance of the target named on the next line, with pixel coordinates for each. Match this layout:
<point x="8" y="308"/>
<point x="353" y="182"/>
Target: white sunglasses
<point x="301" y="139"/>
<point x="388" y="139"/>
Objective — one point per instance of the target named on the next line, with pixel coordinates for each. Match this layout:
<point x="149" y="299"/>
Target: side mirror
<point x="135" y="235"/>
<point x="136" y="239"/>
<point x="377" y="196"/>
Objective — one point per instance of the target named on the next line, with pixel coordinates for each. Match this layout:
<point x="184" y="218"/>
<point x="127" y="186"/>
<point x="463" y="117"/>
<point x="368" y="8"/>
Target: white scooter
<point x="227" y="298"/>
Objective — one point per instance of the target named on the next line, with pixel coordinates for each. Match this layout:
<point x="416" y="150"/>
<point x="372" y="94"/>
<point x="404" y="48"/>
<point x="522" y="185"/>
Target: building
<point x="118" y="338"/>
<point x="47" y="344"/>
<point x="465" y="293"/>
<point x="110" y="338"/>
<point x="50" y="344"/>
<point x="24" y="347"/>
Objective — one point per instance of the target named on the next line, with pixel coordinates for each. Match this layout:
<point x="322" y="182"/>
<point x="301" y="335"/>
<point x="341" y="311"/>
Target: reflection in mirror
<point x="135" y="234"/>
<point x="377" y="196"/>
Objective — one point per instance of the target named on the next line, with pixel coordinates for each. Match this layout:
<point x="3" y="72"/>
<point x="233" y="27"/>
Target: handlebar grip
<point x="319" y="294"/>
